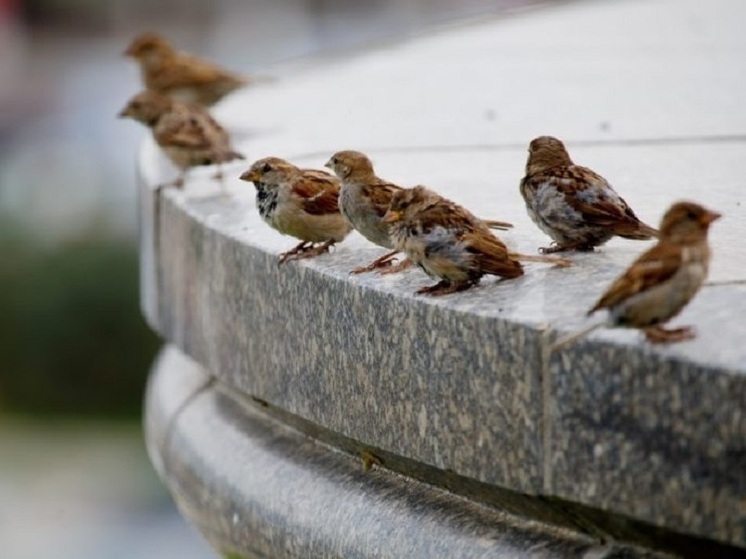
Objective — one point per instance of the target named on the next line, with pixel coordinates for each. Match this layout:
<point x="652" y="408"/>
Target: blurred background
<point x="75" y="481"/>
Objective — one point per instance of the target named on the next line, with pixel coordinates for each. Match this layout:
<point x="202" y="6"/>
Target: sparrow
<point x="446" y="241"/>
<point x="365" y="199"/>
<point x="302" y="203"/>
<point x="188" y="135"/>
<point x="659" y="284"/>
<point x="184" y="77"/>
<point x="575" y="206"/>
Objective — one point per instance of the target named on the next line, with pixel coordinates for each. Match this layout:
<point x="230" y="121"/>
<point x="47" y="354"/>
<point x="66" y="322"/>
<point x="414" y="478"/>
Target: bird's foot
<point x="659" y="335"/>
<point x="403" y="265"/>
<point x="382" y="262"/>
<point x="295" y="253"/>
<point x="556" y="247"/>
<point x="445" y="287"/>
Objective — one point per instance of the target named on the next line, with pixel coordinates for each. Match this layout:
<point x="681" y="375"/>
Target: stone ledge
<point x="261" y="489"/>
<point x="463" y="383"/>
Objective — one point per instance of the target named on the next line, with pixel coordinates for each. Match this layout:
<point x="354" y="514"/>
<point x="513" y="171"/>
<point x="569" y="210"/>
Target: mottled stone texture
<point x="659" y="439"/>
<point x="464" y="383"/>
<point x="260" y="489"/>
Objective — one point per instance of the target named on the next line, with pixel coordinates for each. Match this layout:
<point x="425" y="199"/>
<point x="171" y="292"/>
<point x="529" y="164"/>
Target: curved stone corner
<point x="464" y="385"/>
<point x="262" y="489"/>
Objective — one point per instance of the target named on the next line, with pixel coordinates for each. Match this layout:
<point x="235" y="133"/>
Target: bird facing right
<point x="575" y="206"/>
<point x="447" y="242"/>
<point x="659" y="284"/>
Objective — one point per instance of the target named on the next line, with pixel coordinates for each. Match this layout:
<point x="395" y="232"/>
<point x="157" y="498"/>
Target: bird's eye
<point x="266" y="168"/>
<point x="691" y="214"/>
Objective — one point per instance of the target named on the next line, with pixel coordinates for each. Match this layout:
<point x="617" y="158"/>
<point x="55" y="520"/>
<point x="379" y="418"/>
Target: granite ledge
<point x="263" y="489"/>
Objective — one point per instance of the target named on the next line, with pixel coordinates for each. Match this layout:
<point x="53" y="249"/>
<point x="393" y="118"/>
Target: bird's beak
<point x="329" y="165"/>
<point x="124" y="113"/>
<point x="392" y="216"/>
<point x="250" y="176"/>
<point x="709" y="217"/>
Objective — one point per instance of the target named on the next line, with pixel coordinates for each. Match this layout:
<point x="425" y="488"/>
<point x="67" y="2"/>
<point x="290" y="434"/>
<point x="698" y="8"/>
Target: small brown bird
<point x="184" y="77"/>
<point x="446" y="241"/>
<point x="576" y="207"/>
<point x="188" y="135"/>
<point x="659" y="284"/>
<point x="302" y="203"/>
<point x="365" y="199"/>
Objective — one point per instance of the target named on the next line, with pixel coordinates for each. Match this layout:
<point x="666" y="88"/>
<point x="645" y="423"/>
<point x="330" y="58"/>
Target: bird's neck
<point x="542" y="162"/>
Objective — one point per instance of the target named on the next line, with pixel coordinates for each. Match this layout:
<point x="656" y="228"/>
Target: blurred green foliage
<point x="72" y="340"/>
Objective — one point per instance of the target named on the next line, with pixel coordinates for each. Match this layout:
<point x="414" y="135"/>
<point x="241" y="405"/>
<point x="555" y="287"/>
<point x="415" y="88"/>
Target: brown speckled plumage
<point x="188" y="135"/>
<point x="302" y="203"/>
<point x="182" y="76"/>
<point x="447" y="242"/>
<point x="575" y="206"/>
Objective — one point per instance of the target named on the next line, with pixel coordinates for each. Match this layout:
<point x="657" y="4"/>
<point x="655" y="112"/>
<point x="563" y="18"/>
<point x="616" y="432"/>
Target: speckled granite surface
<point x="463" y="383"/>
<point x="261" y="489"/>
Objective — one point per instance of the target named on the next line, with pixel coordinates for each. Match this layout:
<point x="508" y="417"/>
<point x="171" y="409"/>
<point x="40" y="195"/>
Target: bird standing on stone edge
<point x="659" y="284"/>
<point x="302" y="203"/>
<point x="576" y="207"/>
<point x="188" y="135"/>
<point x="365" y="199"/>
<point x="182" y="76"/>
<point x="447" y="242"/>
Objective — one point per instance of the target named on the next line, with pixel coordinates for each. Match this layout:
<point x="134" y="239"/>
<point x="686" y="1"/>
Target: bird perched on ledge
<point x="576" y="207"/>
<point x="449" y="243"/>
<point x="302" y="203"/>
<point x="659" y="284"/>
<point x="188" y="135"/>
<point x="365" y="198"/>
<point x="184" y="77"/>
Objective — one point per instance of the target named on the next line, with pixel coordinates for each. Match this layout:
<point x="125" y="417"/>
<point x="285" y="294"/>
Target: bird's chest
<point x="266" y="202"/>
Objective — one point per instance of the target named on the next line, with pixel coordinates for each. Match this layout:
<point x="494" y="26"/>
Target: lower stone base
<point x="255" y="487"/>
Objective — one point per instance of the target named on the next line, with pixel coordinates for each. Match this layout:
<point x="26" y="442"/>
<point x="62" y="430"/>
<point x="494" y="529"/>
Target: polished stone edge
<point x="265" y="489"/>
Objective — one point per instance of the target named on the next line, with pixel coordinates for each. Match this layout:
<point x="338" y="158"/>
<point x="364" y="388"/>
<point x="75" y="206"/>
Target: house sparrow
<point x="302" y="203"/>
<point x="573" y="205"/>
<point x="188" y="135"/>
<point x="365" y="198"/>
<point x="659" y="284"/>
<point x="184" y="77"/>
<point x="449" y="243"/>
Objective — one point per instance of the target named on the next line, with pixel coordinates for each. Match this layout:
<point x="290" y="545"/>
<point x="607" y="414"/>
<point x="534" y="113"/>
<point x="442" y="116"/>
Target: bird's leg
<point x="660" y="335"/>
<point x="311" y="250"/>
<point x="403" y="265"/>
<point x="219" y="176"/>
<point x="382" y="262"/>
<point x="300" y="248"/>
<point x="178" y="182"/>
<point x="445" y="287"/>
<point x="556" y="247"/>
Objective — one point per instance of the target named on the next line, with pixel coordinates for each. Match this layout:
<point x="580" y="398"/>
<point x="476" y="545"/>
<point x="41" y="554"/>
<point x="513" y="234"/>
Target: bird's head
<point x="269" y="172"/>
<point x="350" y="165"/>
<point x="147" y="107"/>
<point x="147" y="45"/>
<point x="686" y="222"/>
<point x="546" y="152"/>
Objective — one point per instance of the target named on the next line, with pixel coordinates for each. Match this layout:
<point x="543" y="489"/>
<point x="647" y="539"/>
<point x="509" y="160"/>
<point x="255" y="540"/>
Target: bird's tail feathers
<point x="501" y="225"/>
<point x="566" y="340"/>
<point x="639" y="232"/>
<point x="556" y="260"/>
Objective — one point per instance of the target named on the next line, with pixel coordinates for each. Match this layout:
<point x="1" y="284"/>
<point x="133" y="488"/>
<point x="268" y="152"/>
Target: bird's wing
<point x="652" y="268"/>
<point x="318" y="192"/>
<point x="186" y="70"/>
<point x="380" y="194"/>
<point x="180" y="129"/>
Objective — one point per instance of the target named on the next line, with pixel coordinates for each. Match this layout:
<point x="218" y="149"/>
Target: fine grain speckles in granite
<point x="636" y="432"/>
<point x="653" y="433"/>
<point x="394" y="372"/>
<point x="261" y="489"/>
